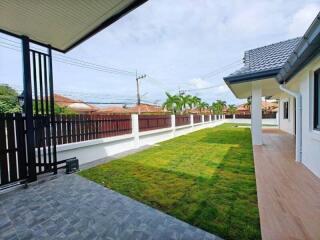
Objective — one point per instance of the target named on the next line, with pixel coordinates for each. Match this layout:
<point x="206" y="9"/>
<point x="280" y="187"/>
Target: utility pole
<point x="138" y="87"/>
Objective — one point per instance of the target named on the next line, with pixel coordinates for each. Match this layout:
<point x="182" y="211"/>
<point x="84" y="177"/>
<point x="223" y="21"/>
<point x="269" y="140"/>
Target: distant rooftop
<point x="264" y="61"/>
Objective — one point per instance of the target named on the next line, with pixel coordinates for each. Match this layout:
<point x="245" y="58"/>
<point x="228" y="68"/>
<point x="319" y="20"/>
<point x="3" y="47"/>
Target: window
<point x="317" y="100"/>
<point x="285" y="110"/>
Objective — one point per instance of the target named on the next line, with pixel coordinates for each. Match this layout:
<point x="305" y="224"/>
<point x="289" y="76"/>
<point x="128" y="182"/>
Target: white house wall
<point x="303" y="82"/>
<point x="287" y="125"/>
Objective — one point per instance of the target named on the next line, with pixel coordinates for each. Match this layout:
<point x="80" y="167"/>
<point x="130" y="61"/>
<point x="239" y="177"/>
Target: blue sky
<point x="176" y="43"/>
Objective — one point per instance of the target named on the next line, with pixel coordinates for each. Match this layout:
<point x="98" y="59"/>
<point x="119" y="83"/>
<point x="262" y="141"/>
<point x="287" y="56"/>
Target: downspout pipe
<point x="297" y="96"/>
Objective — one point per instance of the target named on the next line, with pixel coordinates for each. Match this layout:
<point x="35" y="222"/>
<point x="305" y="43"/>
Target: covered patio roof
<point x="261" y="64"/>
<point x="61" y="24"/>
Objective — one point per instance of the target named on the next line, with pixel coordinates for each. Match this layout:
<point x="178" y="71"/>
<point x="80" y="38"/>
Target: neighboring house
<point x="266" y="106"/>
<point x="142" y="108"/>
<point x="269" y="107"/>
<point x="113" y="110"/>
<point x="76" y="106"/>
<point x="198" y="111"/>
<point x="290" y="72"/>
<point x="243" y="109"/>
<point x="146" y="108"/>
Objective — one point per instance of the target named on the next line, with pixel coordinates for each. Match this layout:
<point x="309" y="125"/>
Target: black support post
<point x="52" y="112"/>
<point x="28" y="109"/>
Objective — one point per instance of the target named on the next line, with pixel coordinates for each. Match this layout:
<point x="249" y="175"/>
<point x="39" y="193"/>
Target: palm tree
<point x="173" y="103"/>
<point x="203" y="106"/>
<point x="232" y="109"/>
<point x="218" y="106"/>
<point x="170" y="104"/>
<point x="195" y="102"/>
<point x="248" y="103"/>
<point x="186" y="101"/>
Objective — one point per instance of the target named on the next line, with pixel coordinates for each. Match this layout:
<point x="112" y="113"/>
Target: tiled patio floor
<point x="288" y="193"/>
<point x="71" y="207"/>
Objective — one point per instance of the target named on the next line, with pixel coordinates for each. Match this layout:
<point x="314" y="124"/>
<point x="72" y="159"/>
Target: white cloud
<point x="222" y="89"/>
<point x="302" y="19"/>
<point x="198" y="83"/>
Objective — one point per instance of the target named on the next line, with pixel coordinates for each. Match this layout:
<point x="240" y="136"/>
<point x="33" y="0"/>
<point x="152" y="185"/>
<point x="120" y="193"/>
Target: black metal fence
<point x="13" y="160"/>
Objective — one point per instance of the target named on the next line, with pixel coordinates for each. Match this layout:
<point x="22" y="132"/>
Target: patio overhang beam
<point x="61" y="24"/>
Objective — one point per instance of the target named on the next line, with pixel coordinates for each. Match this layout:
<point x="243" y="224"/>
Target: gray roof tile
<point x="267" y="58"/>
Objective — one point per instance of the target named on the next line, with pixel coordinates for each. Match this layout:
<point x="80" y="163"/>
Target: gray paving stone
<point x="71" y="207"/>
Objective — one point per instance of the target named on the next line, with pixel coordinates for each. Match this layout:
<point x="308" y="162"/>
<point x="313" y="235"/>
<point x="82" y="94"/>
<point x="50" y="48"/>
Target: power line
<point x="221" y="69"/>
<point x="112" y="70"/>
<point x="76" y="62"/>
<point x="201" y="89"/>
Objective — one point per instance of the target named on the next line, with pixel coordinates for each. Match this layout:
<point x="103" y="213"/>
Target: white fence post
<point x="202" y="119"/>
<point x="135" y="129"/>
<point x="173" y="125"/>
<point x="191" y="122"/>
<point x="210" y="118"/>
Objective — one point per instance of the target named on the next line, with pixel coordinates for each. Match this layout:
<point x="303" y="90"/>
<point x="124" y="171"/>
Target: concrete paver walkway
<point x="71" y="207"/>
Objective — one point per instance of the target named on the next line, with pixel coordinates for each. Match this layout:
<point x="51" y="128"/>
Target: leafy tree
<point x="57" y="109"/>
<point x="63" y="110"/>
<point x="8" y="100"/>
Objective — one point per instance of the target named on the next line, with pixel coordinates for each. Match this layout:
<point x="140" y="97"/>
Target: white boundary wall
<point x="265" y="121"/>
<point x="92" y="150"/>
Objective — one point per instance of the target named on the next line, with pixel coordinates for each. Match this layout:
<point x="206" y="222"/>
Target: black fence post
<point x="52" y="113"/>
<point x="28" y="109"/>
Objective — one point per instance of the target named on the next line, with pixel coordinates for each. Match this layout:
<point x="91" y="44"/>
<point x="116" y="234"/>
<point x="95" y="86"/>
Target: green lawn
<point x="205" y="178"/>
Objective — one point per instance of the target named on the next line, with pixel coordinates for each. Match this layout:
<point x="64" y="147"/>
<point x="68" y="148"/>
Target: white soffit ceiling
<point x="269" y="87"/>
<point x="61" y="23"/>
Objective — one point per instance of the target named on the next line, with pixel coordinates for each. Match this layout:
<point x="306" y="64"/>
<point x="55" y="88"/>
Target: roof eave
<point x="251" y="76"/>
<point x="106" y="23"/>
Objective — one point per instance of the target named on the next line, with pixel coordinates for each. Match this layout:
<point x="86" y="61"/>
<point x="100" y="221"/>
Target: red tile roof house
<point x="244" y="109"/>
<point x="141" y="109"/>
<point x="76" y="106"/>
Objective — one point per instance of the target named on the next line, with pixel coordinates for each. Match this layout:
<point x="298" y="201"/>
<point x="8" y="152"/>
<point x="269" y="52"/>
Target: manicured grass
<point x="205" y="178"/>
